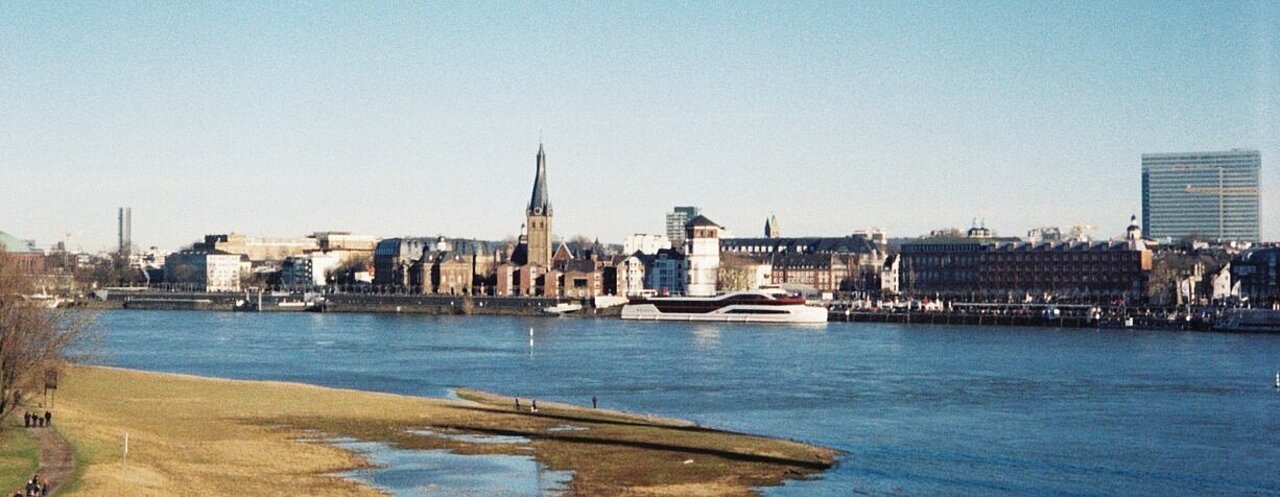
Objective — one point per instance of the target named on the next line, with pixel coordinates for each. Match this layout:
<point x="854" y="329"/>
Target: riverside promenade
<point x="1067" y="316"/>
<point x="1132" y="318"/>
<point x="328" y="302"/>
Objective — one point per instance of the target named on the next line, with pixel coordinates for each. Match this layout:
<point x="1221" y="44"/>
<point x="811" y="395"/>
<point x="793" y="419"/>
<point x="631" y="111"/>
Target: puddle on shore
<point x="472" y="438"/>
<point x="440" y="473"/>
<point x="452" y="394"/>
<point x="567" y="428"/>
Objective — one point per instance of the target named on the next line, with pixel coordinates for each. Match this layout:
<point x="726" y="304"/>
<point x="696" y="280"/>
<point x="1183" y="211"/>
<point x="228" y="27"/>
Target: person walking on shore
<point x="535" y="406"/>
<point x="593" y="401"/>
<point x="48" y="418"/>
<point x="517" y="403"/>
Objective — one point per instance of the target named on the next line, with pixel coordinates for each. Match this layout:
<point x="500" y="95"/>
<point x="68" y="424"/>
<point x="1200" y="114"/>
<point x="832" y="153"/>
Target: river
<point x="918" y="409"/>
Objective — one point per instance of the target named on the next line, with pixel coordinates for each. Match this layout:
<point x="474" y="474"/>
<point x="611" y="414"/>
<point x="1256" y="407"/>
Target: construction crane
<point x="66" y="247"/>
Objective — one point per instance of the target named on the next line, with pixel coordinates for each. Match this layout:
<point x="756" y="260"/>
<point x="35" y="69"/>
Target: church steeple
<point x="538" y="216"/>
<point x="539" y="201"/>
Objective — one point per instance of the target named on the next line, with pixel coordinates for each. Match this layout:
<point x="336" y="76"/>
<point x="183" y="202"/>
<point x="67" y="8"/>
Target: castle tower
<point x="704" y="256"/>
<point x="539" y="216"/>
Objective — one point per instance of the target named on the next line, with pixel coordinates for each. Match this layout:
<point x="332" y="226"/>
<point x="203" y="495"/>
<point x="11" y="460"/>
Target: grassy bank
<point x="19" y="455"/>
<point x="197" y="436"/>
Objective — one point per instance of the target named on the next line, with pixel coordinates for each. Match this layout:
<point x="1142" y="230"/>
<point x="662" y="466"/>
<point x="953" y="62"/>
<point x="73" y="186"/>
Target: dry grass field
<point x="192" y="436"/>
<point x="19" y="455"/>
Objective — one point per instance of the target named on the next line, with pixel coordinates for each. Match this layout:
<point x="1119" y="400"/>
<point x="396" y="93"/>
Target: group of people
<point x="534" y="407"/>
<point x="36" y="487"/>
<point x="33" y="420"/>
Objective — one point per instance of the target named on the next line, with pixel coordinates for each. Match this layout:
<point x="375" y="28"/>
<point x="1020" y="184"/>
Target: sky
<point x="399" y="118"/>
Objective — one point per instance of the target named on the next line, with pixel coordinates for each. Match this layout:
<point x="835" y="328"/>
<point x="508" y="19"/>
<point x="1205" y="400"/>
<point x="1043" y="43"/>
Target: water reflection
<point x="707" y="337"/>
<point x="440" y="473"/>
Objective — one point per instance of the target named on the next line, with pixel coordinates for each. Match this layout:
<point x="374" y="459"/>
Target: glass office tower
<point x="676" y="221"/>
<point x="1212" y="195"/>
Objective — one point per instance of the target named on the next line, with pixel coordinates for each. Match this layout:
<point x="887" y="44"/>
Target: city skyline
<point x="395" y="120"/>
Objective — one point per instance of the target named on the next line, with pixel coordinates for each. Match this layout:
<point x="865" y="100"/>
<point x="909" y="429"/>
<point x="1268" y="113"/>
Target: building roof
<point x="805" y="261"/>
<point x="520" y="253"/>
<point x="578" y="266"/>
<point x="14" y="245"/>
<point x="1068" y="246"/>
<point x="802" y="245"/>
<point x="540" y="201"/>
<point x="741" y="258"/>
<point x="702" y="220"/>
<point x="672" y="254"/>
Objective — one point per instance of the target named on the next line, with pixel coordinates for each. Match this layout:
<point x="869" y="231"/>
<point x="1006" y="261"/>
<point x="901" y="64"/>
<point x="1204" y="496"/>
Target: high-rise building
<point x="1207" y="194"/>
<point x="677" y="221"/>
<point x="125" y="231"/>
<point x="539" y="216"/>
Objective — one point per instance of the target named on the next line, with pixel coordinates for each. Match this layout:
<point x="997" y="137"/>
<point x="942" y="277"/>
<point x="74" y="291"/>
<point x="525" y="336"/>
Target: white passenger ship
<point x="761" y="306"/>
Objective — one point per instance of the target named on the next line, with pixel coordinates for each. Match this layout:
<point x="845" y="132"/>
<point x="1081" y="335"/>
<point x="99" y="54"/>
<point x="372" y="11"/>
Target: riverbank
<point x="351" y="303"/>
<point x="1136" y="322"/>
<point x="199" y="436"/>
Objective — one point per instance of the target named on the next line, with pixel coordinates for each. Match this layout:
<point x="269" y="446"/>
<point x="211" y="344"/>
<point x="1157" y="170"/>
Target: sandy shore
<point x="199" y="436"/>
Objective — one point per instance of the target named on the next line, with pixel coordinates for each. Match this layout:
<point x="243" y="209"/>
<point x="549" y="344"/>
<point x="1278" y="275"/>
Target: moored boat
<point x="760" y="306"/>
<point x="562" y="308"/>
<point x="1249" y="321"/>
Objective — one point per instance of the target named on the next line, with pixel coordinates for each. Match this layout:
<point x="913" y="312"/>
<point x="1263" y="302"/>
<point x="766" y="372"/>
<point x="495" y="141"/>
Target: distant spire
<point x="539" y="201"/>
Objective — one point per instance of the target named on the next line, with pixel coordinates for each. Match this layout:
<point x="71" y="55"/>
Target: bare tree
<point x="734" y="279"/>
<point x="33" y="339"/>
<point x="345" y="273"/>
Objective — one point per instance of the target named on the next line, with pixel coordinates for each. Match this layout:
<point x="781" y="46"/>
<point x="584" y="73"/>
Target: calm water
<point x="919" y="410"/>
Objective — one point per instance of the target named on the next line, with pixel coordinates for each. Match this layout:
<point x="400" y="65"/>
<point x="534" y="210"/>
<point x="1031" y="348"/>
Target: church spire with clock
<point x="539" y="216"/>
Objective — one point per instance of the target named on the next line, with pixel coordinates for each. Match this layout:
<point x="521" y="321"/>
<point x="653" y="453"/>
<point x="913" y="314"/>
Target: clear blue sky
<point x="386" y="118"/>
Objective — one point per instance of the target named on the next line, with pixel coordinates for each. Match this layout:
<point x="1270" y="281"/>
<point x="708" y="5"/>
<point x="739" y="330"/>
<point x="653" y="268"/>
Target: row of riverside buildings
<point x="692" y="258"/>
<point x="982" y="268"/>
<point x="1200" y="195"/>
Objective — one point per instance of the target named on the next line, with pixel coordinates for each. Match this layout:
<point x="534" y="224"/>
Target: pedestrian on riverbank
<point x="44" y="487"/>
<point x="517" y="403"/>
<point x="593" y="401"/>
<point x="26" y="420"/>
<point x="48" y="418"/>
<point x="535" y="406"/>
